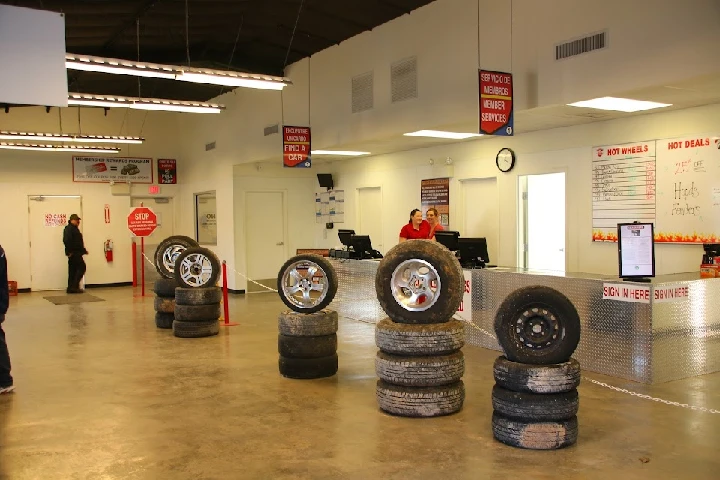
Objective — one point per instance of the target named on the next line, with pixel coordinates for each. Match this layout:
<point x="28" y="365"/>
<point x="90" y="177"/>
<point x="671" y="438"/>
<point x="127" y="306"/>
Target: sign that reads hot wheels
<point x="496" y="103"/>
<point x="112" y="169"/>
<point x="296" y="147"/>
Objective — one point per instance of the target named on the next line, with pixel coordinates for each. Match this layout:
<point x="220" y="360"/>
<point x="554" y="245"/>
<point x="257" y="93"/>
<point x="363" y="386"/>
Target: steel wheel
<point x="305" y="284"/>
<point x="196" y="270"/>
<point x="415" y="285"/>
<point x="537" y="328"/>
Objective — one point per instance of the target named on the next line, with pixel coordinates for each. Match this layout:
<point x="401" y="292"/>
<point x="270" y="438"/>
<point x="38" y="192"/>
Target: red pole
<point x="142" y="264"/>
<point x="226" y="305"/>
<point x="134" y="263"/>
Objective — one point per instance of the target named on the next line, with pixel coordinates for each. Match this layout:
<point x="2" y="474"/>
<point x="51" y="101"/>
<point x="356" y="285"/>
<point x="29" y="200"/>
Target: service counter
<point x="647" y="332"/>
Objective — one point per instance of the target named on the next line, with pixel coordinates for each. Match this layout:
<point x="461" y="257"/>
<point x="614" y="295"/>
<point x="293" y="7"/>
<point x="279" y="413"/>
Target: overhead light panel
<point x="119" y="67"/>
<point x="441" y="134"/>
<point x="57" y="148"/>
<point x="68" y="137"/>
<point x="340" y="153"/>
<point x="112" y="101"/>
<point x="627" y="105"/>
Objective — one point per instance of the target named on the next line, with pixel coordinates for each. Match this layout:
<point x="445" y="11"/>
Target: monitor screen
<point x="361" y="243"/>
<point x="448" y="238"/>
<point x="636" y="250"/>
<point x="473" y="252"/>
<point x="344" y="236"/>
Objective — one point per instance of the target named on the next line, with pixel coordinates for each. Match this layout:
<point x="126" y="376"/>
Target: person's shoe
<point x="9" y="389"/>
<point x="75" y="290"/>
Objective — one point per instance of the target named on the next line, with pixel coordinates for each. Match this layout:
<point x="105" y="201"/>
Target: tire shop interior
<point x="242" y="171"/>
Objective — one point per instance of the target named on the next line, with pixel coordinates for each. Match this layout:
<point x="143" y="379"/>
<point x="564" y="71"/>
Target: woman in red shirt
<point x="433" y="218"/>
<point x="416" y="228"/>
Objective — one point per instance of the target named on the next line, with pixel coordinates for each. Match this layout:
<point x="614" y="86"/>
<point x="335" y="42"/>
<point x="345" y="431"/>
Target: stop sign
<point x="142" y="221"/>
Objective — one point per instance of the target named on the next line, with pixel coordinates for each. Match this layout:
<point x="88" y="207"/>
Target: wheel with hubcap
<point x="307" y="283"/>
<point x="168" y="251"/>
<point x="197" y="267"/>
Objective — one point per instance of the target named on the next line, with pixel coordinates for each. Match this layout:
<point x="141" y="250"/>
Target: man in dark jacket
<point x="6" y="380"/>
<point x="74" y="249"/>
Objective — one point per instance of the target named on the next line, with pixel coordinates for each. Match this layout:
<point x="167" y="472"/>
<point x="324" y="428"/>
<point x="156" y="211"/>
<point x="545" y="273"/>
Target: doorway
<point x="265" y="239"/>
<point x="370" y="216"/>
<point x="481" y="213"/>
<point x="48" y="216"/>
<point x="542" y="222"/>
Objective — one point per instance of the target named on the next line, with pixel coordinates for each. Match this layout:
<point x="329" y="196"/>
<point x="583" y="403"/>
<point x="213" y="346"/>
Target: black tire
<point x="198" y="296"/>
<point x="327" y="278"/>
<point x="164" y="320"/>
<point x="197" y="313"/>
<point x="418" y="340"/>
<point x="165" y="287"/>
<point x="420" y="401"/>
<point x="420" y="371"/>
<point x="195" y="329"/>
<point x="164" y="305"/>
<point x="535" y="435"/>
<point x="168" y="250"/>
<point x="524" y="377"/>
<point x="543" y="309"/>
<point x="440" y="263"/>
<point x="308" y="368"/>
<point x="189" y="266"/>
<point x="307" y="347"/>
<point x="547" y="407"/>
<point x="308" y="325"/>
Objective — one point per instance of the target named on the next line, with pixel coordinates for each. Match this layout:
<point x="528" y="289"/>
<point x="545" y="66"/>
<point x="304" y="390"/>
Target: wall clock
<point x="505" y="160"/>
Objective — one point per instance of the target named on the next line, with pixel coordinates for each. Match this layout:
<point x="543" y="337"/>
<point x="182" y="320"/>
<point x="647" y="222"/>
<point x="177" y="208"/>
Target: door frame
<point x="357" y="212"/>
<point x="284" y="194"/>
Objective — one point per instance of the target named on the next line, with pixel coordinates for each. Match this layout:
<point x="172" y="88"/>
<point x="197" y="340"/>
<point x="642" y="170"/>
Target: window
<point x="206" y="218"/>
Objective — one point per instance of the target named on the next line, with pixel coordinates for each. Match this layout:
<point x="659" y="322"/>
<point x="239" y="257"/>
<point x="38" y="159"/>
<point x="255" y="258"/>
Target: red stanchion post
<point x="134" y="263"/>
<point x="142" y="264"/>
<point x="226" y="305"/>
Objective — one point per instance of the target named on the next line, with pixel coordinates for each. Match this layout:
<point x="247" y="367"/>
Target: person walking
<point x="74" y="249"/>
<point x="6" y="380"/>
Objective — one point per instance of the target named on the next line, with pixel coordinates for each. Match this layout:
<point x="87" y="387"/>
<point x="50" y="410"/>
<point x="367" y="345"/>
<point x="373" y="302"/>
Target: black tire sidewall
<point x="329" y="273"/>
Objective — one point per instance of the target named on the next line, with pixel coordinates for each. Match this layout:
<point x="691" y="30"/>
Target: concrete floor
<point x="103" y="394"/>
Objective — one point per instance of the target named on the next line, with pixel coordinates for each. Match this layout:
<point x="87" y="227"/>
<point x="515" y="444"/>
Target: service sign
<point x="167" y="171"/>
<point x="112" y="169"/>
<point x="296" y="147"/>
<point x="496" y="103"/>
<point x="671" y="293"/>
<point x="626" y="292"/>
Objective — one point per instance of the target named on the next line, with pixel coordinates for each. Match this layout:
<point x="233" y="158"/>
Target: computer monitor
<point x="362" y="246"/>
<point x="473" y="252"/>
<point x="448" y="238"/>
<point x="344" y="236"/>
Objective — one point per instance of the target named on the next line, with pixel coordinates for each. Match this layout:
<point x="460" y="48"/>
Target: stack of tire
<point x="307" y="333"/>
<point x="420" y="366"/>
<point x="194" y="271"/>
<point x="535" y="399"/>
<point x="164" y="302"/>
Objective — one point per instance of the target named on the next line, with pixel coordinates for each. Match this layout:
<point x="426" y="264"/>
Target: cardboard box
<point x="709" y="271"/>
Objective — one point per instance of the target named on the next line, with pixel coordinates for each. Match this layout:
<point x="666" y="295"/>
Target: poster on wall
<point x="167" y="171"/>
<point x="56" y="219"/>
<point x="496" y="103"/>
<point x="296" y="147"/>
<point x="330" y="207"/>
<point x="112" y="169"/>
<point x="436" y="193"/>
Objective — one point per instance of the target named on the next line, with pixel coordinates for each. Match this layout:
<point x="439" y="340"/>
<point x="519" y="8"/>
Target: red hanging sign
<point x="496" y="103"/>
<point x="296" y="147"/>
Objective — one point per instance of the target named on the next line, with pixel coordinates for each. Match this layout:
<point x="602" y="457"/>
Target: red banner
<point x="496" y="103"/>
<point x="296" y="147"/>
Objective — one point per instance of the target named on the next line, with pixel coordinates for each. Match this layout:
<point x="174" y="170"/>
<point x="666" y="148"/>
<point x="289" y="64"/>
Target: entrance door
<point x="265" y="237"/>
<point x="370" y="216"/>
<point x="48" y="217"/>
<point x="480" y="202"/>
<point x="544" y="229"/>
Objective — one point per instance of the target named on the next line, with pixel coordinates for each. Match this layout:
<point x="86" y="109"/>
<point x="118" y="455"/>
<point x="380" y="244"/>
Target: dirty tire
<point x="419" y="340"/>
<point x="543" y="309"/>
<point x="168" y="250"/>
<point x="524" y="377"/>
<point x="420" y="371"/>
<point x="535" y="435"/>
<point x="407" y="401"/>
<point x="316" y="324"/>
<point x="308" y="368"/>
<point x="307" y="347"/>
<point x="198" y="296"/>
<point x="165" y="287"/>
<point x="547" y="407"/>
<point x="164" y="305"/>
<point x="164" y="320"/>
<point x="325" y="296"/>
<point x="197" y="313"/>
<point x="195" y="329"/>
<point x="194" y="274"/>
<point x="431" y="261"/>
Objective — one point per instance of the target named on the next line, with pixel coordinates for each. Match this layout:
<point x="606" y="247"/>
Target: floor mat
<point x="73" y="299"/>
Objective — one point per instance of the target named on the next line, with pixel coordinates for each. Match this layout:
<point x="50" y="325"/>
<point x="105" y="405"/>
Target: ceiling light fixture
<point x="68" y="137"/>
<point x="343" y="153"/>
<point x="441" y="134"/>
<point x="57" y="148"/>
<point x="112" y="101"/>
<point x="226" y="78"/>
<point x="627" y="105"/>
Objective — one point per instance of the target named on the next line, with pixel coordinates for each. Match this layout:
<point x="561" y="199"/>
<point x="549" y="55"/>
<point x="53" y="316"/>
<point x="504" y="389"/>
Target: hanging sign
<point x="496" y="103"/>
<point x="112" y="169"/>
<point x="296" y="147"/>
<point x="167" y="171"/>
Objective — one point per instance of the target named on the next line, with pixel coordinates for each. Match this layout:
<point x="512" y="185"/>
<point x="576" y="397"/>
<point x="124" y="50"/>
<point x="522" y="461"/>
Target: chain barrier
<point x="253" y="281"/>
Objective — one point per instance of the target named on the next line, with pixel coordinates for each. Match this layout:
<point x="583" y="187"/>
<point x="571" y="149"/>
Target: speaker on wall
<point x="325" y="180"/>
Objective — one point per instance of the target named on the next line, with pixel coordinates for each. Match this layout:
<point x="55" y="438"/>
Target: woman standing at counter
<point x="416" y="228"/>
<point x="433" y="219"/>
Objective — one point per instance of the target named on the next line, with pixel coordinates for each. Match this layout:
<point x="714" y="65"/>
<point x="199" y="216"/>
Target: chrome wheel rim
<point x="170" y="255"/>
<point x="304" y="284"/>
<point x="415" y="285"/>
<point x="196" y="270"/>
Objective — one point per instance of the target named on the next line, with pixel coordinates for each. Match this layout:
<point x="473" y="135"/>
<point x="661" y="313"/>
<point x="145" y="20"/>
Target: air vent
<point x="597" y="41"/>
<point x="403" y="79"/>
<point x="271" y="130"/>
<point x="209" y="146"/>
<point x="362" y="92"/>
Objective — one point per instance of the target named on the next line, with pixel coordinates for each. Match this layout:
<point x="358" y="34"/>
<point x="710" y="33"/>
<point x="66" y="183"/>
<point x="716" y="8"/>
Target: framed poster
<point x="636" y="250"/>
<point x="167" y="171"/>
<point x="112" y="169"/>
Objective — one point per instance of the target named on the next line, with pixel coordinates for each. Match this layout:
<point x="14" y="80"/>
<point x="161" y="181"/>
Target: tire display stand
<point x="307" y="344"/>
<point x="197" y="312"/>
<point x="164" y="302"/>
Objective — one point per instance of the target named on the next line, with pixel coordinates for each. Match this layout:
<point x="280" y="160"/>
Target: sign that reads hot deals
<point x="107" y="169"/>
<point x="296" y="147"/>
<point x="496" y="103"/>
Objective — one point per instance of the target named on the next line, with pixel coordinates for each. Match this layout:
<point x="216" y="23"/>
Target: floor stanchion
<point x="226" y="306"/>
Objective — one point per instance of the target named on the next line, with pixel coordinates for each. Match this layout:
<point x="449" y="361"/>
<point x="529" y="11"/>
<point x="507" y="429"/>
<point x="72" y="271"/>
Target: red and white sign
<point x="465" y="310"/>
<point x="670" y="293"/>
<point x="624" y="151"/>
<point x="626" y="292"/>
<point x="142" y="221"/>
<point x="56" y="219"/>
<point x="107" y="213"/>
<point x="496" y="103"/>
<point x="296" y="147"/>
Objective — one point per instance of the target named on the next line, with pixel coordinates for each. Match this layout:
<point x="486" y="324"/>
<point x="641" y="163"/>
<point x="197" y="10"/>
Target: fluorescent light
<point x="232" y="79"/>
<point x="68" y="137"/>
<point x="441" y="134"/>
<point x="57" y="148"/>
<point x="110" y="101"/>
<point x="344" y="153"/>
<point x="619" y="104"/>
<point x="119" y="67"/>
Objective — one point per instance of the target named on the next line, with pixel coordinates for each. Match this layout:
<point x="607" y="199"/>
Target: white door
<point x="545" y="222"/>
<point x="265" y="234"/>
<point x="48" y="217"/>
<point x="370" y="216"/>
<point x="481" y="206"/>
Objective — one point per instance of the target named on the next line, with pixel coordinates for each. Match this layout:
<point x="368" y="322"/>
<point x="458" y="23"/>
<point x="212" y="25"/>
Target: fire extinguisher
<point x="108" y="249"/>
